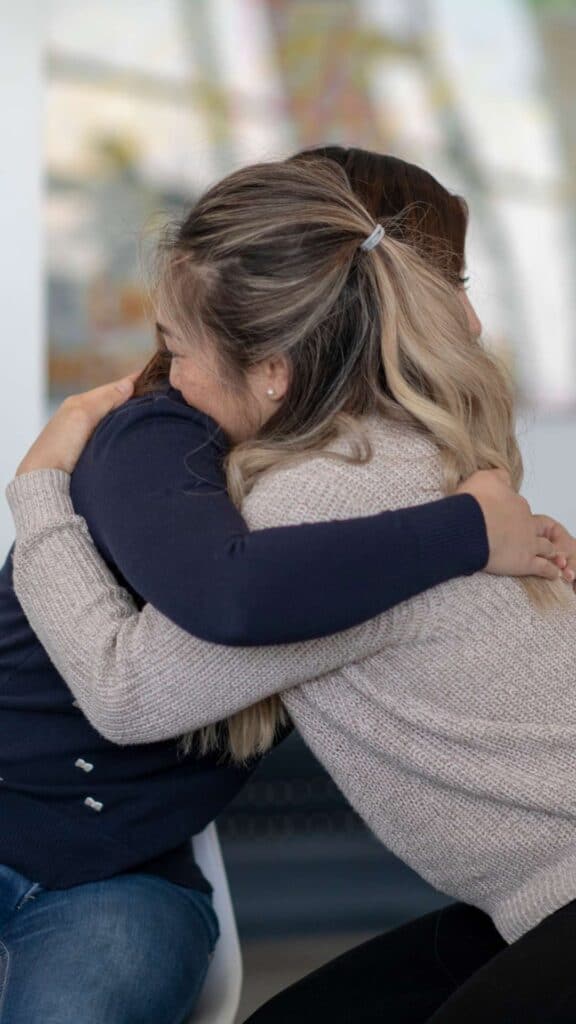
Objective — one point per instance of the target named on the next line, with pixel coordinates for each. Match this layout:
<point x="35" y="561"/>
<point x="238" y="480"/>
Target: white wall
<point x="548" y="446"/>
<point x="22" y="372"/>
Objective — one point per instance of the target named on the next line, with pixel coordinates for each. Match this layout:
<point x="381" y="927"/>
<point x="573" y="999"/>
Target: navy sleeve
<point x="151" y="487"/>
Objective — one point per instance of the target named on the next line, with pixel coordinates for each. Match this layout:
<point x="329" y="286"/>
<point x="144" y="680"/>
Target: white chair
<point x="220" y="997"/>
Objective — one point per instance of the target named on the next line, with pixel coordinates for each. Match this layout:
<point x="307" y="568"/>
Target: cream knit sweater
<point x="449" y="722"/>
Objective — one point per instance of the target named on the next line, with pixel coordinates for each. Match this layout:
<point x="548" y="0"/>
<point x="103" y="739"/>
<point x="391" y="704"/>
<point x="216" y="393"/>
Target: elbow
<point x="119" y="727"/>
<point x="111" y="729"/>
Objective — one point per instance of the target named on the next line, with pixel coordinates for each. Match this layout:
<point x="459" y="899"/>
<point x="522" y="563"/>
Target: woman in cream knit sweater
<point x="449" y="721"/>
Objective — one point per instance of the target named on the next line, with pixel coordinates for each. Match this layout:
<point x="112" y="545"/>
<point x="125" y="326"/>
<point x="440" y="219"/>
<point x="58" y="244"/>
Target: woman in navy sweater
<point x="114" y="872"/>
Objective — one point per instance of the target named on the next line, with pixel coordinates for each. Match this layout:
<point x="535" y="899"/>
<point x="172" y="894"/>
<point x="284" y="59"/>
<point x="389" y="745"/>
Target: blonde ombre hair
<point x="269" y="263"/>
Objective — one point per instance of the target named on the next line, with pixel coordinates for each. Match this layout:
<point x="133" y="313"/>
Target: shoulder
<point x="313" y="487"/>
<point x="151" y="433"/>
<point x="399" y="467"/>
<point x="157" y="413"/>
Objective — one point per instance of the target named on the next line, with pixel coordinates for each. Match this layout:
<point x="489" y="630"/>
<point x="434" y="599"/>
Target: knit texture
<point x="449" y="722"/>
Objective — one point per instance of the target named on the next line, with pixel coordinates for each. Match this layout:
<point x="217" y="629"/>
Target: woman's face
<point x="197" y="375"/>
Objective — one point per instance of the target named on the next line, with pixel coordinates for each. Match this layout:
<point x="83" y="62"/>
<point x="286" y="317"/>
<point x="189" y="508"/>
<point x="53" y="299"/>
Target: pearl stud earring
<point x="271" y="393"/>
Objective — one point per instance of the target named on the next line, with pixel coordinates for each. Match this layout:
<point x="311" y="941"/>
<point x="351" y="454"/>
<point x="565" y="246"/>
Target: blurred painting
<point x="149" y="101"/>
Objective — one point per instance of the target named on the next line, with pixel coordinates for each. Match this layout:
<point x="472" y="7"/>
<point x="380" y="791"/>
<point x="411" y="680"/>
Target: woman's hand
<point x="521" y="544"/>
<point x="65" y="436"/>
<point x="564" y="542"/>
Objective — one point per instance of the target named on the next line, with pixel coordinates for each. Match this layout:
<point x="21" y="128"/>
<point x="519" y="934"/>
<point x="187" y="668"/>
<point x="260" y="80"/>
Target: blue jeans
<point x="129" y="950"/>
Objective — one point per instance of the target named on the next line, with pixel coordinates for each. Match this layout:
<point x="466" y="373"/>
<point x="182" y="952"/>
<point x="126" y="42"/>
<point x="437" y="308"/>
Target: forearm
<point x="137" y="676"/>
<point x="355" y="569"/>
<point x="152" y="488"/>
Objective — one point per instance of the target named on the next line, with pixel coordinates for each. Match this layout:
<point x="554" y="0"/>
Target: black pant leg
<point x="400" y="977"/>
<point x="532" y="981"/>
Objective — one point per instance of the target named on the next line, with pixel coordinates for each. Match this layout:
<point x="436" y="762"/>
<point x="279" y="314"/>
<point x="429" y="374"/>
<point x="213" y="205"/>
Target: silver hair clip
<point x="372" y="241"/>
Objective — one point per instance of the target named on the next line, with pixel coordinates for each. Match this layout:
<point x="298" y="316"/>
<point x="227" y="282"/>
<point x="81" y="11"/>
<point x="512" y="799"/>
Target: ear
<point x="275" y="375"/>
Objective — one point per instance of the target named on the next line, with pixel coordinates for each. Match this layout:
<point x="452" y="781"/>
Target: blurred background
<point x="116" y="114"/>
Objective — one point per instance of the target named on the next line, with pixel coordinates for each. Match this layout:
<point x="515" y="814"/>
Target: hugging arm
<point x="154" y="497"/>
<point x="152" y="490"/>
<point x="137" y="676"/>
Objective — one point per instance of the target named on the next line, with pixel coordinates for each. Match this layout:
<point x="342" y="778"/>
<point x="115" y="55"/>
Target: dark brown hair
<point x="419" y="209"/>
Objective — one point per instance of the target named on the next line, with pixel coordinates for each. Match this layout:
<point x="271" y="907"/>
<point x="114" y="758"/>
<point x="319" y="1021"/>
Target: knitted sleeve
<point x="137" y="676"/>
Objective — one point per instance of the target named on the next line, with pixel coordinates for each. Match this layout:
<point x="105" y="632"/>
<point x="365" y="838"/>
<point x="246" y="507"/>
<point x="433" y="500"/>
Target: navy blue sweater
<point x="76" y="808"/>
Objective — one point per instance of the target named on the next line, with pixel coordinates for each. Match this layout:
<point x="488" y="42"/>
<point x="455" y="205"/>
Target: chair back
<point x="220" y="998"/>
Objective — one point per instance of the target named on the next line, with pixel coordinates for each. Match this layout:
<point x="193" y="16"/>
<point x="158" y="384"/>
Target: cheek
<point x="183" y="382"/>
<point x="199" y="387"/>
<point x="237" y="413"/>
<point x="174" y="374"/>
<point x="186" y="379"/>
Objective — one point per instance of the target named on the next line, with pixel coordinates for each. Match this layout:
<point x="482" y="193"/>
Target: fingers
<point x="97" y="403"/>
<point x="126" y="384"/>
<point x="564" y="543"/>
<point x="545" y="548"/>
<point x="545" y="569"/>
<point x="546" y="527"/>
<point x="121" y="390"/>
<point x="65" y="436"/>
<point x="567" y="567"/>
<point x="112" y="394"/>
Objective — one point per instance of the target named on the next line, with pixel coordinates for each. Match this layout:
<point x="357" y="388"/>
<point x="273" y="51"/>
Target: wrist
<point x="475" y="535"/>
<point x="32" y="465"/>
<point x="39" y="499"/>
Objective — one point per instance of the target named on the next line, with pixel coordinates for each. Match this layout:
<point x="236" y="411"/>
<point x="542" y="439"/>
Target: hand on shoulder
<point x="61" y="443"/>
<point x="520" y="543"/>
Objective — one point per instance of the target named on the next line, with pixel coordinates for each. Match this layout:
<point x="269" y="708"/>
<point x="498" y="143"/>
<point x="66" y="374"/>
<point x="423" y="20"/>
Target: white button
<point x="84" y="765"/>
<point x="94" y="804"/>
<point x="75" y="704"/>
